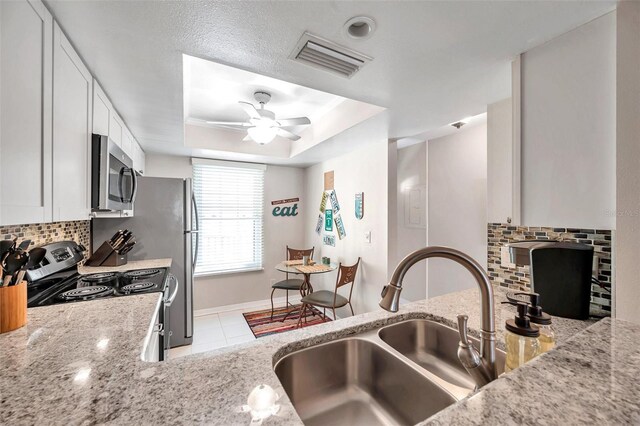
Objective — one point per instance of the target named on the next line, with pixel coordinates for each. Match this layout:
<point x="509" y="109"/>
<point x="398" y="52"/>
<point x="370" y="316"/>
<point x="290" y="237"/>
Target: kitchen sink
<point x="434" y="347"/>
<point x="356" y="382"/>
<point x="399" y="374"/>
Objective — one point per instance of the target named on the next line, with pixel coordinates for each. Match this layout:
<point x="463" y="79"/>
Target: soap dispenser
<point x="521" y="338"/>
<point x="547" y="337"/>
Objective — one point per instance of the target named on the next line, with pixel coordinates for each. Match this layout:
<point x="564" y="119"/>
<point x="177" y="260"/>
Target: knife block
<point x="13" y="307"/>
<point x="106" y="256"/>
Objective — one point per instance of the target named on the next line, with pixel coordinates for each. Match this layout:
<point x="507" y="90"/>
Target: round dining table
<point x="306" y="287"/>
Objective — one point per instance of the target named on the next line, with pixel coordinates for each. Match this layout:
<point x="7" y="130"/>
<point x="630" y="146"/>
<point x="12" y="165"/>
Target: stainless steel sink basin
<point x="354" y="381"/>
<point x="399" y="374"/>
<point x="433" y="346"/>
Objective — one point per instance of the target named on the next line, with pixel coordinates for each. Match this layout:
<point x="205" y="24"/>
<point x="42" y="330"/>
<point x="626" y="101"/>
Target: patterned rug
<point x="261" y="324"/>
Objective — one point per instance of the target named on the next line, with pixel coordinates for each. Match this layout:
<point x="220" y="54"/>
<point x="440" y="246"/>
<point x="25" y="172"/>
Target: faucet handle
<point x="462" y="329"/>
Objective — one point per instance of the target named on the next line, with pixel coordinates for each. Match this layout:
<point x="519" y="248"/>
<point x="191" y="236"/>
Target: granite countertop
<point x="132" y="265"/>
<point x="590" y="377"/>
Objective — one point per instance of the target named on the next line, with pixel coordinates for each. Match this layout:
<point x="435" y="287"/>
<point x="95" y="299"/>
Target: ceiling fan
<point x="262" y="126"/>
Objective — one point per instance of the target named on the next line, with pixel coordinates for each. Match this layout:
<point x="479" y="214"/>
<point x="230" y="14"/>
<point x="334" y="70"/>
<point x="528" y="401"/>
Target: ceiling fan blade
<point x="249" y="109"/>
<point x="297" y="121"/>
<point x="287" y="134"/>
<point x="232" y="124"/>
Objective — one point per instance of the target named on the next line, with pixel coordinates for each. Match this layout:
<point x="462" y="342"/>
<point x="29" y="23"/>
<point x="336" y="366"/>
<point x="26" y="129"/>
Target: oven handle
<point x="168" y="301"/>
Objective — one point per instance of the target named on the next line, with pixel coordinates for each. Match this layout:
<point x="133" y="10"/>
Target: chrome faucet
<point x="481" y="367"/>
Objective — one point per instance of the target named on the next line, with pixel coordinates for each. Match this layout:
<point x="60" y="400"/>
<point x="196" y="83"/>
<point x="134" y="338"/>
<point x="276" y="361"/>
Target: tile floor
<point x="216" y="331"/>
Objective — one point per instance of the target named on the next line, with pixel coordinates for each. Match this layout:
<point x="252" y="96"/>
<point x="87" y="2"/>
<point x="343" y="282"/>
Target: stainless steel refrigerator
<point x="164" y="225"/>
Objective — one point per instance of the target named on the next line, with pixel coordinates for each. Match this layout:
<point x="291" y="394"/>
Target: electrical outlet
<point x="367" y="237"/>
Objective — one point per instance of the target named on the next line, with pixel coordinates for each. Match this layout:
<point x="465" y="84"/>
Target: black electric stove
<point x="68" y="286"/>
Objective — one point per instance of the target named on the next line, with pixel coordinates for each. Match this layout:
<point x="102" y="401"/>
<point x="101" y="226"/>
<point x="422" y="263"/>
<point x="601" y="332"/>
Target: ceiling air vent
<point x="328" y="56"/>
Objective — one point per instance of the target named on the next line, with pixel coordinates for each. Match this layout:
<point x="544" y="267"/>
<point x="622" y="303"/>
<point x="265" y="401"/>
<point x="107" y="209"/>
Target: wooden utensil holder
<point x="13" y="307"/>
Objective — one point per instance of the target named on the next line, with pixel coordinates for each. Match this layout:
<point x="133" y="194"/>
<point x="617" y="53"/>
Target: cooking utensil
<point x="6" y="246"/>
<point x="36" y="256"/>
<point x="12" y="264"/>
<point x="24" y="245"/>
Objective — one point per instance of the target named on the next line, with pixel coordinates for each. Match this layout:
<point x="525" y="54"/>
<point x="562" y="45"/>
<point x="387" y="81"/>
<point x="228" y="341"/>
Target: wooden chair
<point x="331" y="299"/>
<point x="291" y="283"/>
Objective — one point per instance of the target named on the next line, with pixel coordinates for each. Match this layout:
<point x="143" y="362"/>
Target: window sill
<point x="235" y="272"/>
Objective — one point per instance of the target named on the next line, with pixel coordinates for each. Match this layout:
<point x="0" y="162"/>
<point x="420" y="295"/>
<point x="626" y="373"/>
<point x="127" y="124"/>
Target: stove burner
<point x="142" y="273"/>
<point x="137" y="286"/>
<point x="98" y="278"/>
<point x="85" y="292"/>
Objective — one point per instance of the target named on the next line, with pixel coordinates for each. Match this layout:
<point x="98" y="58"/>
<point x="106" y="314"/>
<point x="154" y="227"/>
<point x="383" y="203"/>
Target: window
<point x="230" y="200"/>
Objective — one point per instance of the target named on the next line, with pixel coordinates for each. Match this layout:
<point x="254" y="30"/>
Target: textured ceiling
<point x="434" y="62"/>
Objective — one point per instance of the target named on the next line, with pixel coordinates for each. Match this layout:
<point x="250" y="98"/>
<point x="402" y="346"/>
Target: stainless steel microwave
<point x="113" y="178"/>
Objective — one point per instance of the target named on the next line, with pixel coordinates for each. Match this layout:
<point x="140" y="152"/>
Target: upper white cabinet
<point x="26" y="31"/>
<point x="116" y="128"/>
<point x="72" y="99"/>
<point x="101" y="110"/>
<point x="138" y="158"/>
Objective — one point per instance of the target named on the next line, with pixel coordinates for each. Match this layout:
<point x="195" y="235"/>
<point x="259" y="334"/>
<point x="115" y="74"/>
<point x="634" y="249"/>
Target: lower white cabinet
<point x="72" y="99"/>
<point x="26" y="30"/>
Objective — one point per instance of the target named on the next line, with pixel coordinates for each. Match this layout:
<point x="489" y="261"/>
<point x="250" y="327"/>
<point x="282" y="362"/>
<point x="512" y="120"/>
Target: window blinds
<point x="230" y="200"/>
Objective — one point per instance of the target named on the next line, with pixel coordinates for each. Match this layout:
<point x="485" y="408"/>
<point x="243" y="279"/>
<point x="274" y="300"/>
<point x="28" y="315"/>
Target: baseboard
<point x="277" y="301"/>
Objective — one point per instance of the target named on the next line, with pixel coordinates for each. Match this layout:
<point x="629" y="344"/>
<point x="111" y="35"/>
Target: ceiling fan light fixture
<point x="262" y="134"/>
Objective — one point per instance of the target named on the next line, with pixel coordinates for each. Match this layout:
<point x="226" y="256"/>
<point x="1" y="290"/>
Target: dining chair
<point x="291" y="283"/>
<point x="331" y="299"/>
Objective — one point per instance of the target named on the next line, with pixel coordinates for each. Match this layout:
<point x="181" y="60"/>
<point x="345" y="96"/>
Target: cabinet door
<point x="72" y="90"/>
<point x="101" y="110"/>
<point x="500" y="162"/>
<point x="115" y="128"/>
<point x="26" y="31"/>
<point x="127" y="142"/>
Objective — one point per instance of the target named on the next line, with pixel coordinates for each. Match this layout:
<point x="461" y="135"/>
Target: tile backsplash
<point x="43" y="233"/>
<point x="517" y="277"/>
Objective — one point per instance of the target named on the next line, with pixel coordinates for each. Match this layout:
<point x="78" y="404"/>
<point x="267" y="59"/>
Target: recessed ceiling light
<point x="359" y="27"/>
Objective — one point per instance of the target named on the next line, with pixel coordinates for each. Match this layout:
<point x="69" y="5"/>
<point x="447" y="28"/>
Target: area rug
<point x="262" y="325"/>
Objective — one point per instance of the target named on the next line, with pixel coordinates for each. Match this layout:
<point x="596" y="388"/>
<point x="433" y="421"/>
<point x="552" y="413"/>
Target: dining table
<point x="306" y="271"/>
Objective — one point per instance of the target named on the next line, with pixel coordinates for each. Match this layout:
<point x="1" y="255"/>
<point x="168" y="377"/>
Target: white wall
<point x="362" y="170"/>
<point x="457" y="205"/>
<point x="627" y="240"/>
<point x="411" y="172"/>
<point x="568" y="128"/>
<point x="280" y="183"/>
<point x="500" y="161"/>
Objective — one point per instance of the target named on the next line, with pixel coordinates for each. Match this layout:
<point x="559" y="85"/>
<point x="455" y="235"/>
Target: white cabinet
<point x="115" y="128"/>
<point x="101" y="110"/>
<point x="26" y="30"/>
<point x="72" y="96"/>
<point x="138" y="158"/>
<point x="127" y="142"/>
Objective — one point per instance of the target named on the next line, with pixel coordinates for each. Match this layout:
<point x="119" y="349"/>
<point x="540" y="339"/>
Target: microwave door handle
<point x="120" y="181"/>
<point x="134" y="185"/>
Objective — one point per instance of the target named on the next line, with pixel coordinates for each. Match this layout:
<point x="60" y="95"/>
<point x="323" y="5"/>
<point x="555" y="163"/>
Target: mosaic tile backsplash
<point x="517" y="278"/>
<point x="43" y="233"/>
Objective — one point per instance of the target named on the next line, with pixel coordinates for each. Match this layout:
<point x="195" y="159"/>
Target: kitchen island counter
<point x="59" y="369"/>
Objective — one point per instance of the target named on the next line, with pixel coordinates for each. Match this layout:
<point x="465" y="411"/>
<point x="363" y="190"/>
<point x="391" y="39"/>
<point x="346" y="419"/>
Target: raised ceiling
<point x="434" y="62"/>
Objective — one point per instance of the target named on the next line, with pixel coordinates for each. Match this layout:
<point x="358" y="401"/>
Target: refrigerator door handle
<point x="195" y="212"/>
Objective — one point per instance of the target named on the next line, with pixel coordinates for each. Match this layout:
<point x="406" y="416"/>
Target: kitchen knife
<point x="6" y="246"/>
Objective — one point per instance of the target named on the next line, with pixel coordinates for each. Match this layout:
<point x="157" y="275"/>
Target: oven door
<point x="113" y="178"/>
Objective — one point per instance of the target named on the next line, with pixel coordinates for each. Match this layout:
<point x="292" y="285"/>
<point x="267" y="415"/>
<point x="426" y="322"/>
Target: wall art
<point x="329" y="240"/>
<point x="359" y="205"/>
<point x="278" y="210"/>
<point x="340" y="226"/>
<point x="328" y="220"/>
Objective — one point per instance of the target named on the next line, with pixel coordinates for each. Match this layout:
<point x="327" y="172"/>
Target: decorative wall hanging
<point x="334" y="202"/>
<point x="323" y="203"/>
<point x="319" y="224"/>
<point x="359" y="205"/>
<point x="340" y="227"/>
<point x="328" y="220"/>
<point x="328" y="181"/>
<point x="329" y="240"/>
<point x="286" y="210"/>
